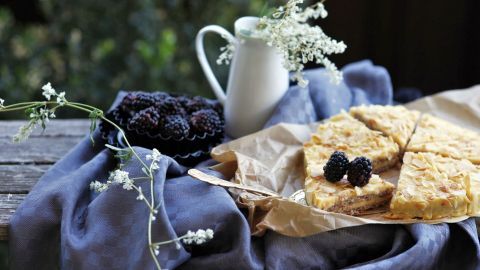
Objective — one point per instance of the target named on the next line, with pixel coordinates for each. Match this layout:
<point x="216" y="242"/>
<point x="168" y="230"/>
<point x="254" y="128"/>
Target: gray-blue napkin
<point x="62" y="224"/>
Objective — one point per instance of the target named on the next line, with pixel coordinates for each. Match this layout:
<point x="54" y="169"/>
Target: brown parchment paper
<point x="272" y="160"/>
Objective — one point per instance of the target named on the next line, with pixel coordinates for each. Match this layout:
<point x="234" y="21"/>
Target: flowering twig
<point x="39" y="114"/>
<point x="288" y="31"/>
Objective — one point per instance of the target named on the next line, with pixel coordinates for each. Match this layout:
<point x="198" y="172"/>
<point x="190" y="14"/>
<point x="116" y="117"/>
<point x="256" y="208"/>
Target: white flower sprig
<point x="300" y="43"/>
<point x="40" y="112"/>
<point x="199" y="237"/>
<point x="226" y="53"/>
<point x="190" y="238"/>
<point x="288" y="31"/>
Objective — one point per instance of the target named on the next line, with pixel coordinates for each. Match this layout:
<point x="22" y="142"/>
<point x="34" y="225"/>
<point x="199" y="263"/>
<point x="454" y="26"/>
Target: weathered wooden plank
<point x="56" y="128"/>
<point x="8" y="205"/>
<point x="19" y="179"/>
<point x="36" y="150"/>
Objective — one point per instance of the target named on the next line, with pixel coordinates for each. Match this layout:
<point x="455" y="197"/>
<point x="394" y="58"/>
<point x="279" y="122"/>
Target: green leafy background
<point x="92" y="49"/>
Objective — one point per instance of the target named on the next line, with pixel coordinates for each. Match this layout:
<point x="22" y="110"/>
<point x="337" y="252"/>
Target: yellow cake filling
<point x="344" y="133"/>
<point x="441" y="137"/>
<point x="394" y="121"/>
<point x="431" y="187"/>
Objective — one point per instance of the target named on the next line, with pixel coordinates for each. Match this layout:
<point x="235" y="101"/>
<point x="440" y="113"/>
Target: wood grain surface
<point x="21" y="165"/>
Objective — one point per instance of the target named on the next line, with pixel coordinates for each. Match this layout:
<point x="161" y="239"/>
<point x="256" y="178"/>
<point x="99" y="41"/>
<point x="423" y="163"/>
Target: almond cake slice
<point x="431" y="186"/>
<point x="344" y="133"/>
<point x="446" y="139"/>
<point x="395" y="121"/>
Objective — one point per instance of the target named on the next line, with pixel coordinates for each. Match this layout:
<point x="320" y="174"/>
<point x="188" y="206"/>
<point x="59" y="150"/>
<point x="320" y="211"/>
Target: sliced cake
<point x="344" y="133"/>
<point x="342" y="197"/>
<point x="473" y="190"/>
<point x="394" y="121"/>
<point x="446" y="139"/>
<point x="431" y="186"/>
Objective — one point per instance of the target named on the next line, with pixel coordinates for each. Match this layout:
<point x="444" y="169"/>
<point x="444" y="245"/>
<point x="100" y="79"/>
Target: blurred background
<point x="92" y="48"/>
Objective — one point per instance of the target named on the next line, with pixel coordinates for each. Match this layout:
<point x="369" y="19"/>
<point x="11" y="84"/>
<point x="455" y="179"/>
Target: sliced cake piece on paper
<point x="444" y="138"/>
<point x="344" y="133"/>
<point x="473" y="189"/>
<point x="342" y="197"/>
<point x="431" y="187"/>
<point x="395" y="121"/>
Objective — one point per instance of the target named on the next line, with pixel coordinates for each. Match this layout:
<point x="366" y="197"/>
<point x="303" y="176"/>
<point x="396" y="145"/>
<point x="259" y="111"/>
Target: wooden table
<point x="21" y="165"/>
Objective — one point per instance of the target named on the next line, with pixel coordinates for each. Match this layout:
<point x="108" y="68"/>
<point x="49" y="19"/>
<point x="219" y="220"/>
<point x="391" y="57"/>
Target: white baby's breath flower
<point x="140" y="194"/>
<point x="199" y="237"/>
<point x="43" y="114"/>
<point x="1" y="103"/>
<point x="298" y="42"/>
<point x="98" y="186"/>
<point x="48" y="91"/>
<point x="25" y="131"/>
<point x="227" y="54"/>
<point x="154" y="156"/>
<point x="154" y="166"/>
<point x="61" y="99"/>
<point x="153" y="217"/>
<point x="118" y="176"/>
<point x="128" y="184"/>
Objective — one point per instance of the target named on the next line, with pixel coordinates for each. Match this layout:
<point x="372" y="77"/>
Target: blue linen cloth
<point x="63" y="224"/>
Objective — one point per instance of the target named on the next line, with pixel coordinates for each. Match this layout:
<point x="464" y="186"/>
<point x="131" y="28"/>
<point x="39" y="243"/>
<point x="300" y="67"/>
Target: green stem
<point x="15" y="109"/>
<point x="152" y="251"/>
<point x="89" y="109"/>
<point x="169" y="241"/>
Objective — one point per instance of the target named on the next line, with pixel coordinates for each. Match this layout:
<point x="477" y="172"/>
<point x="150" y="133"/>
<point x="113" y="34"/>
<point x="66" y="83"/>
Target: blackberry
<point x="159" y="97"/>
<point x="183" y="100"/>
<point x="206" y="121"/>
<point x="170" y="106"/>
<point x="175" y="126"/>
<point x="196" y="104"/>
<point x="218" y="107"/>
<point x="336" y="167"/>
<point x="145" y="120"/>
<point x="359" y="171"/>
<point x="135" y="102"/>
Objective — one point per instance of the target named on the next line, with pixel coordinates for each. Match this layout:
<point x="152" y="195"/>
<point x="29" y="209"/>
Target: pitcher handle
<point x="202" y="58"/>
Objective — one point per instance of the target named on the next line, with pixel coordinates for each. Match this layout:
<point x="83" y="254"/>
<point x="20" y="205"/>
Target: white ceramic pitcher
<point x="257" y="79"/>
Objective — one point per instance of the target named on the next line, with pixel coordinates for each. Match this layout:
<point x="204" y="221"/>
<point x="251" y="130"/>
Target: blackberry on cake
<point x="175" y="126"/>
<point x="205" y="121"/>
<point x="336" y="167"/>
<point x="145" y="120"/>
<point x="359" y="171"/>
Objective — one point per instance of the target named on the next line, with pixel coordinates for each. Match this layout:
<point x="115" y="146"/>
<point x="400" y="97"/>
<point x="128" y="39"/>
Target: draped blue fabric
<point x="62" y="224"/>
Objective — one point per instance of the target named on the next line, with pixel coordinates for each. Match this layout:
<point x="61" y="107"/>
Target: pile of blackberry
<point x="359" y="170"/>
<point x="175" y="124"/>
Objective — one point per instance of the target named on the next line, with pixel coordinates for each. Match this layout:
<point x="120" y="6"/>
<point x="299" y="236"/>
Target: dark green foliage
<point x="92" y="48"/>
